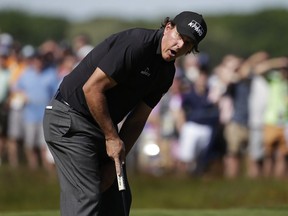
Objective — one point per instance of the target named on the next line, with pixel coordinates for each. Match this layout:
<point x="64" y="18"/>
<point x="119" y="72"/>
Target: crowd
<point x="234" y="115"/>
<point x="29" y="77"/>
<point x="234" y="112"/>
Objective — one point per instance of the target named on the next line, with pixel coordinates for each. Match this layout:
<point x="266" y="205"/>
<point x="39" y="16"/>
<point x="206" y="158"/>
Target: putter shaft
<point x="122" y="188"/>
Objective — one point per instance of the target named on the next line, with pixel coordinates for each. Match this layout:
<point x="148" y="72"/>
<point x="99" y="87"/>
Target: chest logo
<point x="146" y="72"/>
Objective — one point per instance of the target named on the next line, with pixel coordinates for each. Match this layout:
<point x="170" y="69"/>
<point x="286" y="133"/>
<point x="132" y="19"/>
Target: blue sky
<point x="138" y="9"/>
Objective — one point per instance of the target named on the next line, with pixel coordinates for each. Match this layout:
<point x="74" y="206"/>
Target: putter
<point x="122" y="188"/>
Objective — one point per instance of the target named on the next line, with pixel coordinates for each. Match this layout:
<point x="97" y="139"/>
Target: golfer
<point x="123" y="78"/>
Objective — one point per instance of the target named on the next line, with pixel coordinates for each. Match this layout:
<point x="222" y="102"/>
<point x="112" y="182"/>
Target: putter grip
<point x="121" y="182"/>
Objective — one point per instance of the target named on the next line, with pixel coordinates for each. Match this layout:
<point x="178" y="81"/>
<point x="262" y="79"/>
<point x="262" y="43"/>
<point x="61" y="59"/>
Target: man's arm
<point x="248" y="65"/>
<point x="273" y="63"/>
<point x="134" y="124"/>
<point x="129" y="133"/>
<point x="94" y="91"/>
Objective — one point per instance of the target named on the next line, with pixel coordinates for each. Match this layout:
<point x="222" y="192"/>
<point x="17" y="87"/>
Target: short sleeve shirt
<point x="240" y="92"/>
<point x="133" y="59"/>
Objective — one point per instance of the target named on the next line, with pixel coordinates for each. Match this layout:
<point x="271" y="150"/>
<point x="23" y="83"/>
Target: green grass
<point x="212" y="193"/>
<point x="162" y="212"/>
<point x="27" y="193"/>
<point x="229" y="212"/>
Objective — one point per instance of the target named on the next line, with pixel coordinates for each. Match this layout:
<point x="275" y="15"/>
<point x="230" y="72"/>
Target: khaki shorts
<point x="15" y="124"/>
<point x="236" y="136"/>
<point x="34" y="135"/>
<point x="274" y="139"/>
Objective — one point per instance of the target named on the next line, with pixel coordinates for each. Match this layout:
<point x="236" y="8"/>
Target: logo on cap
<point x="197" y="27"/>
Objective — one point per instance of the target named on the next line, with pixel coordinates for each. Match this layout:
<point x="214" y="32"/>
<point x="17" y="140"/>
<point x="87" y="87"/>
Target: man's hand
<point x="116" y="151"/>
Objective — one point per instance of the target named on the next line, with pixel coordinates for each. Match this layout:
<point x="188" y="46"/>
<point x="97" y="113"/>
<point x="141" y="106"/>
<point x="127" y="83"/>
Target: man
<point x="241" y="126"/>
<point x="124" y="77"/>
<point x="37" y="84"/>
<point x="4" y="95"/>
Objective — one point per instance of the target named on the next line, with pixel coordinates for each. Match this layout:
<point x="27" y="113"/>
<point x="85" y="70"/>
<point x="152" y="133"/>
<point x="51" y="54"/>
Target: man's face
<point x="173" y="44"/>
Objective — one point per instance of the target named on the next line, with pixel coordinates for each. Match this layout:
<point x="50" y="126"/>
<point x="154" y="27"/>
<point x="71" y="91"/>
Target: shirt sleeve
<point x="153" y="99"/>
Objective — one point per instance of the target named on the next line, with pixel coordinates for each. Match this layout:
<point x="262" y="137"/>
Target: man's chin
<point x="169" y="58"/>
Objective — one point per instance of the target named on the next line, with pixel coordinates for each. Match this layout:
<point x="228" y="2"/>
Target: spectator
<point x="82" y="45"/>
<point x="37" y="84"/>
<point x="198" y="116"/>
<point x="170" y="106"/>
<point x="52" y="52"/>
<point x="4" y="91"/>
<point x="65" y="66"/>
<point x="274" y="126"/>
<point x="236" y="130"/>
<point x="256" y="107"/>
<point x="18" y="61"/>
<point x="219" y="81"/>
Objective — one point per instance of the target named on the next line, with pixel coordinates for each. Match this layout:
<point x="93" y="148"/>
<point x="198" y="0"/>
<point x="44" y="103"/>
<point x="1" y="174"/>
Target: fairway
<point x="26" y="193"/>
<point x="162" y="212"/>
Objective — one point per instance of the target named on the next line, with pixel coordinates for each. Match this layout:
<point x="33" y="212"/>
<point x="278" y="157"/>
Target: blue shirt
<point x="39" y="88"/>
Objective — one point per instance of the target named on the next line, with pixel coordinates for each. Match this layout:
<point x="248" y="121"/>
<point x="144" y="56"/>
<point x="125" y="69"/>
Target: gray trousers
<point x="78" y="148"/>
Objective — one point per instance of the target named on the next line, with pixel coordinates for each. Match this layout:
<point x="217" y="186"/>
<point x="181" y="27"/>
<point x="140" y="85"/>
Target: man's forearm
<point x="272" y="63"/>
<point x="129" y="133"/>
<point x="133" y="126"/>
<point x="98" y="108"/>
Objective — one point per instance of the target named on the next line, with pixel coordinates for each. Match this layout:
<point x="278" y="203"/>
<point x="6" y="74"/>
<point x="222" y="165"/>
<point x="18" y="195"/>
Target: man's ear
<point x="168" y="27"/>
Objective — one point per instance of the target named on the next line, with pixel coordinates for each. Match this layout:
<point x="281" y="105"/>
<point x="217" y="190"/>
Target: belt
<point x="59" y="97"/>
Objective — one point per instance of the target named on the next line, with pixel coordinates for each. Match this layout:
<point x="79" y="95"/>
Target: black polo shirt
<point x="133" y="59"/>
